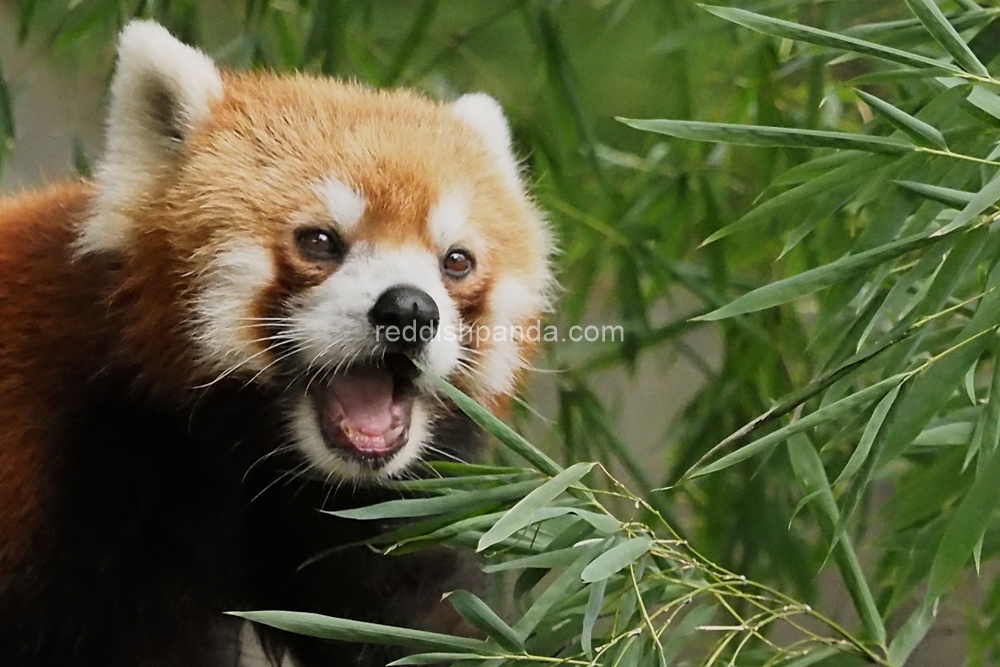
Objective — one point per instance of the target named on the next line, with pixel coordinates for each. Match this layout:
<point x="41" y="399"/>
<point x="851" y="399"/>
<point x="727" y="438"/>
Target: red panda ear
<point x="161" y="90"/>
<point x="484" y="115"/>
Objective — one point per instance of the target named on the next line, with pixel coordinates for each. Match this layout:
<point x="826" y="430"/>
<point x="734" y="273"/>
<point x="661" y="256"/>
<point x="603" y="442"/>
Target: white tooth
<point x="393" y="434"/>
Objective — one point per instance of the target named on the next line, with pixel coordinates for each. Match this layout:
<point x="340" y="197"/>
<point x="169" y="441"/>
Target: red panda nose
<point x="405" y="318"/>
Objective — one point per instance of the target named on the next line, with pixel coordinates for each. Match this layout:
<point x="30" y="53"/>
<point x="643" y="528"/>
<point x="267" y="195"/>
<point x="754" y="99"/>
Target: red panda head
<point x="323" y="241"/>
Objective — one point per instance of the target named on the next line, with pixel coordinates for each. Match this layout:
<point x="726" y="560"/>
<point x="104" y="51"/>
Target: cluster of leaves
<point x="908" y="384"/>
<point x="593" y="590"/>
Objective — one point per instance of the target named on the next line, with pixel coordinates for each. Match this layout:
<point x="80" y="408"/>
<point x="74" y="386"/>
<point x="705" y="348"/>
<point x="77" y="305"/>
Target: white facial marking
<point x="344" y="204"/>
<point x="484" y="115"/>
<point x="225" y="327"/>
<point x="511" y="301"/>
<point x="305" y="427"/>
<point x="152" y="65"/>
<point x="447" y="220"/>
<point x="332" y="318"/>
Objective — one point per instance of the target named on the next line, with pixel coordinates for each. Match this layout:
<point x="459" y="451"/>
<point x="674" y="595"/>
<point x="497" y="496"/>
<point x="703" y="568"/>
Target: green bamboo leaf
<point x="868" y="437"/>
<point x="844" y="179"/>
<point x="816" y="168"/>
<point x="520" y="515"/>
<point x="985" y="100"/>
<point x="970" y="382"/>
<point x="546" y="560"/>
<point x="931" y="390"/>
<point x="6" y="118"/>
<point x="803" y="33"/>
<point x="595" y="599"/>
<point x="761" y="135"/>
<point x="813" y="280"/>
<point x="809" y="469"/>
<point x="966" y="528"/>
<point x="454" y="483"/>
<point x="945" y="34"/>
<point x="956" y="433"/>
<point x="478" y="614"/>
<point x="982" y="200"/>
<point x="912" y="633"/>
<point x="813" y="657"/>
<point x="893" y="76"/>
<point x="464" y="501"/>
<point x="991" y="417"/>
<point x="347" y="630"/>
<point x="433" y="659"/>
<point x="825" y="414"/>
<point x="921" y="132"/>
<point x="952" y="198"/>
<point x="616" y="559"/>
<point x="565" y="585"/>
<point x="977" y="553"/>
<point x="492" y="425"/>
<point x="696" y="618"/>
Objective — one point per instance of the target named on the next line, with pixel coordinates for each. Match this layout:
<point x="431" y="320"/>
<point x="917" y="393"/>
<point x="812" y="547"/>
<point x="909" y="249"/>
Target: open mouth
<point x="365" y="411"/>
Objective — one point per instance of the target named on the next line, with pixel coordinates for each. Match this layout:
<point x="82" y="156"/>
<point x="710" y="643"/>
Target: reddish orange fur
<point x="47" y="328"/>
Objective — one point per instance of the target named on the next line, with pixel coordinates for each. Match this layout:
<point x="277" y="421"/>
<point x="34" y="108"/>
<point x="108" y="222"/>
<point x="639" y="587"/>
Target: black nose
<point x="405" y="318"/>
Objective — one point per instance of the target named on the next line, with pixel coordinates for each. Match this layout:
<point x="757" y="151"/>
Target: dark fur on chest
<point x="162" y="520"/>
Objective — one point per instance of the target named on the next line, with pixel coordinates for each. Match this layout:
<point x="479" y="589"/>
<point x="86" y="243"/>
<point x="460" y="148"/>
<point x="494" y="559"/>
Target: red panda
<point x="234" y="326"/>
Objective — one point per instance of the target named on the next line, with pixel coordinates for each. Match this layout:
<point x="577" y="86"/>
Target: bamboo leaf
<point x="952" y="198"/>
<point x="965" y="528"/>
<point x="825" y="414"/>
<point x="760" y="135"/>
<point x="912" y="633"/>
<point x="480" y="616"/>
<point x="347" y="630"/>
<point x="809" y="469"/>
<point x="868" y="437"/>
<point x="945" y="34"/>
<point x="921" y="132"/>
<point x="932" y="389"/>
<point x="492" y="425"/>
<point x="803" y="33"/>
<point x="546" y="560"/>
<point x="6" y="118"/>
<point x="520" y="515"/>
<point x="985" y="100"/>
<point x="982" y="200"/>
<point x="431" y="659"/>
<point x="845" y="179"/>
<point x="595" y="599"/>
<point x="454" y="502"/>
<point x="616" y="559"/>
<point x="565" y="585"/>
<point x="696" y="618"/>
<point x="991" y="417"/>
<point x="807" y="282"/>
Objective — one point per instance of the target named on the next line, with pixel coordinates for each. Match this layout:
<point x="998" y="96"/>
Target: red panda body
<point x="192" y="360"/>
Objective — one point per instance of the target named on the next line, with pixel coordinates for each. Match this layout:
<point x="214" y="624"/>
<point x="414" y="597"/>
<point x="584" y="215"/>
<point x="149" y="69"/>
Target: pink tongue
<point x="366" y="399"/>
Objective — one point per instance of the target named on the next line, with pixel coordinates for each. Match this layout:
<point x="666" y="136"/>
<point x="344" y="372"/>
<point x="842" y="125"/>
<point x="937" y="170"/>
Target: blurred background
<point x="630" y="209"/>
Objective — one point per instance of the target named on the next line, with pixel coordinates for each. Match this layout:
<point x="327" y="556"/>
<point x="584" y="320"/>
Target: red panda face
<point x="334" y="245"/>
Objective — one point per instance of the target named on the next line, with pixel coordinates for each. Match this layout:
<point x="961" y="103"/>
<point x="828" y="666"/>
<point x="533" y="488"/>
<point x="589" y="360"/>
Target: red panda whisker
<point x="232" y="369"/>
<point x="279" y="478"/>
<point x="274" y="452"/>
<point x="436" y="450"/>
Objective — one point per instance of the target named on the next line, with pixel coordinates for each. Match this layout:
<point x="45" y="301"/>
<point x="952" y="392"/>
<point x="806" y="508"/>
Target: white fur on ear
<point x="484" y="115"/>
<point x="161" y="90"/>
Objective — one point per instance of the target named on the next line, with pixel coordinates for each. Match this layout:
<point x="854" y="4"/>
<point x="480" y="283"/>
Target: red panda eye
<point x="320" y="245"/>
<point x="458" y="263"/>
